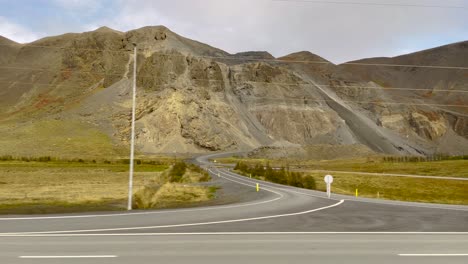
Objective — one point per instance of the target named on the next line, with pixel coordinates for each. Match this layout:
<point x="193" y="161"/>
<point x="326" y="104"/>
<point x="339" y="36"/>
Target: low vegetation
<point x="70" y="139"/>
<point x="176" y="188"/>
<point x="277" y="175"/>
<point x="449" y="167"/>
<point x="373" y="186"/>
<point x="51" y="185"/>
<point x="397" y="188"/>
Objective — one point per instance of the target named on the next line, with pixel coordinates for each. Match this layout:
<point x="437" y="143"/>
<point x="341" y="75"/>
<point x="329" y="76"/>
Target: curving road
<point x="263" y="227"/>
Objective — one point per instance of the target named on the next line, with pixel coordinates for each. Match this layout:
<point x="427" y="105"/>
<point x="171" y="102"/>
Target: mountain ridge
<point x="193" y="97"/>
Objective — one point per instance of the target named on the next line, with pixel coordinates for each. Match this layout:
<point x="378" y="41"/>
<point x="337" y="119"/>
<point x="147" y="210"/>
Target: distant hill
<point x="69" y="95"/>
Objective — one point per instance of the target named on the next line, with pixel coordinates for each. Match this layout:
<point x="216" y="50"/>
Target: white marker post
<point x="328" y="180"/>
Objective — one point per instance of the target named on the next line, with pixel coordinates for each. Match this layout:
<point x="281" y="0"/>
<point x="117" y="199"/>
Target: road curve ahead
<point x="276" y="224"/>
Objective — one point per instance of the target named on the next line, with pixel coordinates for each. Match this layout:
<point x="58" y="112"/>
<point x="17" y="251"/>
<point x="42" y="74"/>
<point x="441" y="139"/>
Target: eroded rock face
<point x="428" y="124"/>
<point x="196" y="98"/>
<point x="296" y="124"/>
<point x="396" y="122"/>
<point x="193" y="122"/>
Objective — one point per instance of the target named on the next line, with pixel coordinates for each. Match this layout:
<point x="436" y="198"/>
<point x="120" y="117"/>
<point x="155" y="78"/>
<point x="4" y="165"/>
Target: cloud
<point x="337" y="32"/>
<point x="78" y="4"/>
<point x="16" y="32"/>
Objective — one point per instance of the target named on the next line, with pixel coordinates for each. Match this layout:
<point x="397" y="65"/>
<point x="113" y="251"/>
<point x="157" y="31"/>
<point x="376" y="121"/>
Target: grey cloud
<point x="336" y="32"/>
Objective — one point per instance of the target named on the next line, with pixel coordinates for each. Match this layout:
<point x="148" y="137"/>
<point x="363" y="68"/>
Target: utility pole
<point x="132" y="140"/>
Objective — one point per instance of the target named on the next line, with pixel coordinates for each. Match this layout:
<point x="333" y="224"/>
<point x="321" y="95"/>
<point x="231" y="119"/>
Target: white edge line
<point x="433" y="255"/>
<point x="407" y="204"/>
<point x="180" y="225"/>
<point x="368" y="200"/>
<point x="59" y="257"/>
<point x="235" y="234"/>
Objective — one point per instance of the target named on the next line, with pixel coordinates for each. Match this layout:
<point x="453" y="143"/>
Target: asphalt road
<point x="234" y="248"/>
<point x="380" y="230"/>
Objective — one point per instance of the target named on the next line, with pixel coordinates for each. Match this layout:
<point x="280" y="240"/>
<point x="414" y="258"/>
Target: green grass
<point x="78" y="186"/>
<point x="398" y="188"/>
<point x="384" y="187"/>
<point x="52" y="137"/>
<point x="54" y="207"/>
<point x="448" y="168"/>
<point x="43" y="187"/>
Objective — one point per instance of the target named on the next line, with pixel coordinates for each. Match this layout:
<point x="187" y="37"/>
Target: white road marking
<point x="151" y="213"/>
<point x="234" y="234"/>
<point x="66" y="257"/>
<point x="181" y="225"/>
<point x="353" y="199"/>
<point x="433" y="255"/>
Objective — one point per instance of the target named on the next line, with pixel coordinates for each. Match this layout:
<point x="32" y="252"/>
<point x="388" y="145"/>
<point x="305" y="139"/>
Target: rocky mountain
<point x="70" y="95"/>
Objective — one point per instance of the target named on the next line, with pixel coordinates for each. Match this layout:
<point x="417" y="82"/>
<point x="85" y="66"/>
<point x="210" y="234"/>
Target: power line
<point x="356" y="101"/>
<point x="371" y="4"/>
<point x="82" y="71"/>
<point x="363" y="87"/>
<point x="267" y="83"/>
<point x="311" y="99"/>
<point x="249" y="59"/>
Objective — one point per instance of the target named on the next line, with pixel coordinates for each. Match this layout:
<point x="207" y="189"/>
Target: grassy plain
<point x="60" y="187"/>
<point x="70" y="139"/>
<point x="384" y="187"/>
<point x="448" y="168"/>
<point x="397" y="188"/>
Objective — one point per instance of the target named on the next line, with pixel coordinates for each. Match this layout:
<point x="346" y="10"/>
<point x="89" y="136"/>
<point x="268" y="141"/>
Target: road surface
<point x="275" y="225"/>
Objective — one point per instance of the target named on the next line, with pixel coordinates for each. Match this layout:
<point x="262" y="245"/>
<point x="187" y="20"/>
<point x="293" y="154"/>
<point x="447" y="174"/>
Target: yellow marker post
<point x="356" y="192"/>
<point x="219" y="175"/>
<point x="258" y="187"/>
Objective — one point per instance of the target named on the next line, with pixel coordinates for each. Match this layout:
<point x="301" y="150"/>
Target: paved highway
<point x="275" y="225"/>
<point x="236" y="248"/>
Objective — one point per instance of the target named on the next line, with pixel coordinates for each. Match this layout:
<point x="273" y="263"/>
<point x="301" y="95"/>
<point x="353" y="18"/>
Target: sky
<point x="338" y="30"/>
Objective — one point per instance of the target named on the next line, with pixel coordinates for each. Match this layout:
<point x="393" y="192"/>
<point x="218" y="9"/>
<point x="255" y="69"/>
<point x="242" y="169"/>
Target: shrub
<point x="44" y="159"/>
<point x="177" y="171"/>
<point x="205" y="176"/>
<point x="6" y="158"/>
<point x="281" y="176"/>
<point x="309" y="182"/>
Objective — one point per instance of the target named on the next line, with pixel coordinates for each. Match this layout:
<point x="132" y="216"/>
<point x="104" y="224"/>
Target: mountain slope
<point x="196" y="98"/>
<point x="427" y="84"/>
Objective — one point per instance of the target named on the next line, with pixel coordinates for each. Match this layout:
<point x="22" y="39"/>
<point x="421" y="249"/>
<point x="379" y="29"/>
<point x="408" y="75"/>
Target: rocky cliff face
<point x="196" y="98"/>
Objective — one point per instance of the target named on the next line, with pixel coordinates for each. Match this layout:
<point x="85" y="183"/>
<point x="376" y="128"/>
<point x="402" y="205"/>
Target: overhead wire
<point x="371" y="4"/>
<point x="244" y="58"/>
<point x="270" y="83"/>
<point x="94" y="73"/>
<point x="311" y="99"/>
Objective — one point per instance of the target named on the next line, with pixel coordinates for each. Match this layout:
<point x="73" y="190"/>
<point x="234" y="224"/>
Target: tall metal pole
<point x="132" y="140"/>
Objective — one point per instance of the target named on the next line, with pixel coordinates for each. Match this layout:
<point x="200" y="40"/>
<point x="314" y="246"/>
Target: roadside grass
<point x="71" y="186"/>
<point x="177" y="188"/>
<point x="383" y="187"/>
<point x="397" y="188"/>
<point x="48" y="137"/>
<point x="448" y="168"/>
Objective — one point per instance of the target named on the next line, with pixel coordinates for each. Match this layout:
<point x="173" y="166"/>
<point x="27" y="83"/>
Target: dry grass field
<point x="58" y="187"/>
<point x="384" y="187"/>
<point x="397" y="188"/>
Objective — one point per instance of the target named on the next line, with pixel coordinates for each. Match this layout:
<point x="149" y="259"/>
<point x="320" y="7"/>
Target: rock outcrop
<point x="196" y="98"/>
